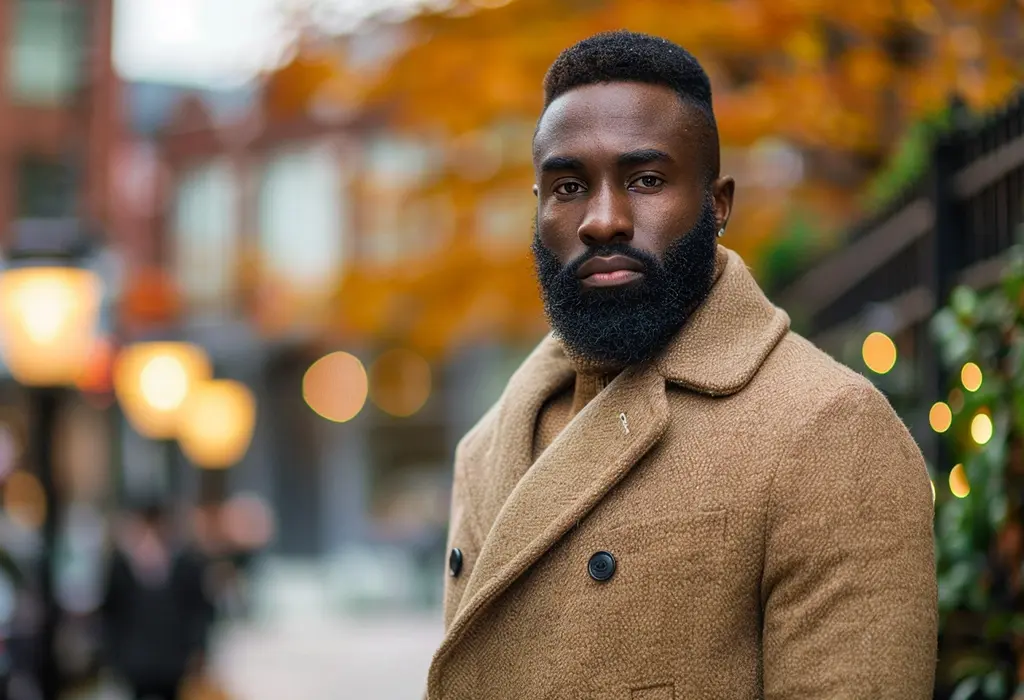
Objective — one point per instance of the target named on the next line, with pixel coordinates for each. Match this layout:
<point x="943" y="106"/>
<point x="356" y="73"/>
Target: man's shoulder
<point x="817" y="401"/>
<point x="803" y="380"/>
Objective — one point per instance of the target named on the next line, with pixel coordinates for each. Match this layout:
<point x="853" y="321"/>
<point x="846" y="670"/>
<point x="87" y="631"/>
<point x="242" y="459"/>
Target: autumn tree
<point x="810" y="97"/>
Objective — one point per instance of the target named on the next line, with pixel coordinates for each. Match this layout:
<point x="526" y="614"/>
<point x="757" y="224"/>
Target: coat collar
<point x="726" y="340"/>
<point x="718" y="351"/>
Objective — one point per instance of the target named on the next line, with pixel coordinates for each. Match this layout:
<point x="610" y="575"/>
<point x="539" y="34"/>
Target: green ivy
<point x="909" y="160"/>
<point x="980" y="576"/>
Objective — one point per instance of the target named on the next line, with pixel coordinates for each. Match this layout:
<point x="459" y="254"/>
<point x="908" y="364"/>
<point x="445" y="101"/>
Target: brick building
<point x="58" y="109"/>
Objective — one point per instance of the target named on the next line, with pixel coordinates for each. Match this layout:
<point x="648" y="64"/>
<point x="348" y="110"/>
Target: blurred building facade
<point x="58" y="109"/>
<point x="285" y="236"/>
<point x="59" y="123"/>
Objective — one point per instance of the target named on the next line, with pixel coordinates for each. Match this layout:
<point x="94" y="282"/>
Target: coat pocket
<point x="691" y="546"/>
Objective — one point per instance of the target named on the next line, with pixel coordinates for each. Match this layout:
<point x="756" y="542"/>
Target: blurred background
<point x="265" y="261"/>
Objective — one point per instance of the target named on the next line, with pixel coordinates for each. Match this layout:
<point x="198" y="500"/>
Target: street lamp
<point x="152" y="382"/>
<point x="216" y="427"/>
<point x="48" y="318"/>
<point x="217" y="423"/>
<point x="49" y="313"/>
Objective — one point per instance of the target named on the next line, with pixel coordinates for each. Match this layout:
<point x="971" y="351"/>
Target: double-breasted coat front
<point x="742" y="517"/>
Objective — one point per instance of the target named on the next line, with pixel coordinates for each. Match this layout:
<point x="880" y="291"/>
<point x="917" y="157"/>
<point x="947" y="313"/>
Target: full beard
<point x="614" y="327"/>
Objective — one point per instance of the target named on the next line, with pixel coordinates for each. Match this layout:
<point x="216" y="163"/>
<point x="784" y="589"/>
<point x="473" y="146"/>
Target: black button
<point x="455" y="561"/>
<point x="601" y="566"/>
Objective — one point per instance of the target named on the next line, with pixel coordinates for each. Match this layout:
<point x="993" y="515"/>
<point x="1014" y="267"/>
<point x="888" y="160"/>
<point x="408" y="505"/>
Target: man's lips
<point x="607" y="272"/>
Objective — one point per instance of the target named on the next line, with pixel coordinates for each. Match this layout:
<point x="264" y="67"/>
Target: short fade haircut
<point x="624" y="56"/>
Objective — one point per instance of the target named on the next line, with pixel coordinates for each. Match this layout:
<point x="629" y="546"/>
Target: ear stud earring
<point x="721" y="232"/>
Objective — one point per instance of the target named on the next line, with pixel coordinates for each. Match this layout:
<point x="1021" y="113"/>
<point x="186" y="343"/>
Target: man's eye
<point x="569" y="188"/>
<point x="648" y="181"/>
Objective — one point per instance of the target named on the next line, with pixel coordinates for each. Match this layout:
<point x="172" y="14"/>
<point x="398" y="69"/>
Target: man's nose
<point x="609" y="218"/>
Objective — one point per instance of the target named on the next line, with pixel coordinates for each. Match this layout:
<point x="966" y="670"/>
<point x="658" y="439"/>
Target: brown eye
<point x="569" y="188"/>
<point x="649" y="181"/>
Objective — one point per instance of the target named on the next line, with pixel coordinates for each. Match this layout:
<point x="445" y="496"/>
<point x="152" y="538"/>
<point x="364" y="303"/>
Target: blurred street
<point x="291" y="648"/>
<point x="379" y="657"/>
<point x="384" y="658"/>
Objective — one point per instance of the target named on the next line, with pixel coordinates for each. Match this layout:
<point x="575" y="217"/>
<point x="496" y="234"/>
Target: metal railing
<point x="950" y="227"/>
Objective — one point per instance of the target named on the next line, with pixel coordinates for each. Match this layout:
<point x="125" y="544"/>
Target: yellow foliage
<point x="829" y="76"/>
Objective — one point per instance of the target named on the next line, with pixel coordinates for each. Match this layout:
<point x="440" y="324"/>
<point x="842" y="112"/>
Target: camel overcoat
<point x="768" y="515"/>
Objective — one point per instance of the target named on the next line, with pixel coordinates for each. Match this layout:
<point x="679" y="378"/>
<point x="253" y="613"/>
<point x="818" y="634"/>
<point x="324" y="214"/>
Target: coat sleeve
<point x="849" y="588"/>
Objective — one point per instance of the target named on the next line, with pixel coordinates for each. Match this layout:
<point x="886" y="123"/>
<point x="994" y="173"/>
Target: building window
<point x="302" y="214"/>
<point x="45" y="189"/>
<point x="47" y="50"/>
<point x="206" y="236"/>
<point x="397" y="223"/>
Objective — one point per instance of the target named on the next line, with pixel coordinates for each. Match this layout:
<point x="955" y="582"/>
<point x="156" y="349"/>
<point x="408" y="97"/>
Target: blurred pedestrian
<point x="156" y="611"/>
<point x="676" y="496"/>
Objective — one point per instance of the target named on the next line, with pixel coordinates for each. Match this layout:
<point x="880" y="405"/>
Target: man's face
<point x="626" y="218"/>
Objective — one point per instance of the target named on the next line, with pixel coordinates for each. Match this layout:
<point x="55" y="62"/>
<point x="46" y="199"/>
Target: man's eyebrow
<point x="561" y="163"/>
<point x="643" y="156"/>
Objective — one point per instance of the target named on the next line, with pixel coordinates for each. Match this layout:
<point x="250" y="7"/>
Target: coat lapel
<point x="592" y="454"/>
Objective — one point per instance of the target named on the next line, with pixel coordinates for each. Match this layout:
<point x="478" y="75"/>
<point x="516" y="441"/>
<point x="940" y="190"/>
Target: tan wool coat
<point x="768" y="515"/>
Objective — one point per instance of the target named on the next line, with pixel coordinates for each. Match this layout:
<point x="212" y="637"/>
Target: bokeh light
<point x="879" y="352"/>
<point x="981" y="428"/>
<point x="152" y="381"/>
<point x="24" y="500"/>
<point x="940" y="417"/>
<point x="971" y="377"/>
<point x="48" y="319"/>
<point x="216" y="423"/>
<point x="958" y="484"/>
<point x="164" y="383"/>
<point x="400" y="382"/>
<point x="336" y="386"/>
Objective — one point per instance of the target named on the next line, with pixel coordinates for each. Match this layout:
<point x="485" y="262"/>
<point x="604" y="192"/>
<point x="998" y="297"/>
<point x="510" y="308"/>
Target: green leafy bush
<point x="979" y="539"/>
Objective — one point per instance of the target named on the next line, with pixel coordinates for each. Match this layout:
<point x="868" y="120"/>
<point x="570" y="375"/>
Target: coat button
<point x="455" y="561"/>
<point x="601" y="566"/>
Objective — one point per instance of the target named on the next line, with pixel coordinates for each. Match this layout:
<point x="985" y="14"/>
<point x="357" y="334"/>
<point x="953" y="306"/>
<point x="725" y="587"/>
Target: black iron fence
<point x="896" y="268"/>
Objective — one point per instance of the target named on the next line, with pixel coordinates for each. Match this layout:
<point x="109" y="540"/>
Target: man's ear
<point x="722" y="191"/>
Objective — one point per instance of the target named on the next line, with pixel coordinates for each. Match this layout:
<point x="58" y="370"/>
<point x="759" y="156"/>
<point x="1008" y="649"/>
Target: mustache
<point x="606" y="251"/>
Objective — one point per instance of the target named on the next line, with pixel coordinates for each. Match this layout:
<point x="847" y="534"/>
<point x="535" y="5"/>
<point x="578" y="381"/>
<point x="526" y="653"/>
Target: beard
<point x="625" y="325"/>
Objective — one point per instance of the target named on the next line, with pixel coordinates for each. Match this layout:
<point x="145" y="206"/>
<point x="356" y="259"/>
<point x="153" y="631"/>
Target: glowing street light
<point x="49" y="318"/>
<point x="48" y="323"/>
<point x="217" y="423"/>
<point x="153" y="380"/>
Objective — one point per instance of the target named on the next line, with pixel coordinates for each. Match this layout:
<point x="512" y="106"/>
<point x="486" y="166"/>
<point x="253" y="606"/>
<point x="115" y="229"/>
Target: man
<point x="676" y="496"/>
<point x="156" y="613"/>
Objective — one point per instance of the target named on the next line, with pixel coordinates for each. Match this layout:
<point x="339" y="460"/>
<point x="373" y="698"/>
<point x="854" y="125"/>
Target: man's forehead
<point x="616" y="115"/>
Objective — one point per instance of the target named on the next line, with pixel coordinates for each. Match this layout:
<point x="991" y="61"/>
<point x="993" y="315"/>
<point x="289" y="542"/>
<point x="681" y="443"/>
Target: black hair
<point x="624" y="56"/>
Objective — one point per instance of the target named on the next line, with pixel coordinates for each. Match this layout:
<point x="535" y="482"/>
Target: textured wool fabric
<point x="769" y="515"/>
<point x="559" y="409"/>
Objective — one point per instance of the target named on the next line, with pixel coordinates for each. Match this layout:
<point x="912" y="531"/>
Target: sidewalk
<point x="373" y="658"/>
